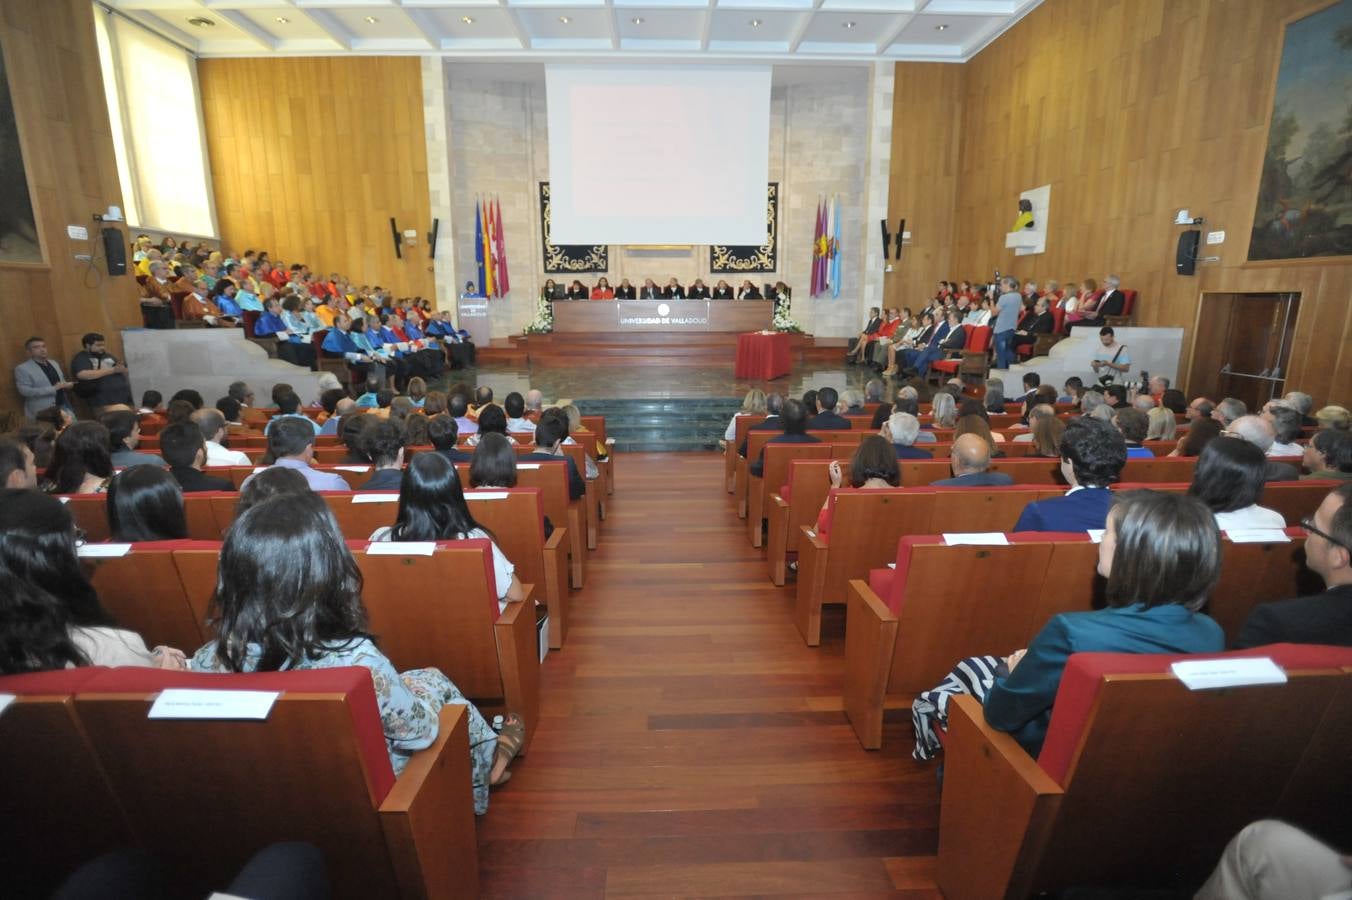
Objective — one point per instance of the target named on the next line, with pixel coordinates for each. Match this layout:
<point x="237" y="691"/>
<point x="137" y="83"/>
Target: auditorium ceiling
<point x="546" y="30"/>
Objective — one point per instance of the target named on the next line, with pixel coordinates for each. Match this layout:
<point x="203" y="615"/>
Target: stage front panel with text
<point x="622" y="316"/>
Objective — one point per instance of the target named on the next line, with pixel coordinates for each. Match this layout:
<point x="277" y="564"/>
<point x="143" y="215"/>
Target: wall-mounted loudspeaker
<point x="115" y="251"/>
<point x="398" y="243"/>
<point x="432" y="239"/>
<point x="887" y="238"/>
<point x="901" y="235"/>
<point x="1188" y="242"/>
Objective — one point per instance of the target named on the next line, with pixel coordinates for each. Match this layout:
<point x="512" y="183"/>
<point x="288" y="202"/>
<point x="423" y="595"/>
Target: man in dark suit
<point x="1093" y="453"/>
<point x="183" y="447"/>
<point x="698" y="291"/>
<point x="383" y="442"/>
<point x="443" y="431"/>
<point x="861" y="343"/>
<point x="1113" y="300"/>
<point x="549" y="435"/>
<point x="970" y="461"/>
<point x="673" y="290"/>
<point x="625" y="291"/>
<point x="650" y="290"/>
<point x="901" y="429"/>
<point x="948" y="336"/>
<point x="1037" y="321"/>
<point x="794" y="421"/>
<point x="827" y="420"/>
<point x="774" y="405"/>
<point x="1321" y="618"/>
<point x="1259" y="432"/>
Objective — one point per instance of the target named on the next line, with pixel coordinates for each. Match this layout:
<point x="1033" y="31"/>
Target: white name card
<point x="102" y="551"/>
<point x="258" y="469"/>
<point x="980" y="538"/>
<point x="185" y="703"/>
<point x="401" y="548"/>
<point x="353" y="468"/>
<point x="5" y="701"/>
<point x="892" y="566"/>
<point x="64" y="499"/>
<point x="1095" y="534"/>
<point x="375" y="498"/>
<point x="486" y="495"/>
<point x="1258" y="536"/>
<point x="528" y="465"/>
<point x="1208" y="674"/>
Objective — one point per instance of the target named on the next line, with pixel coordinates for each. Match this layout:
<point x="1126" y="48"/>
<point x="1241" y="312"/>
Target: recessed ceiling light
<point x="848" y="24"/>
<point x="940" y="27"/>
<point x="468" y="20"/>
<point x="756" y="23"/>
<point x="564" y="19"/>
<point x="637" y="20"/>
<point x="283" y="20"/>
<point x="201" y="22"/>
<point x="371" y="20"/>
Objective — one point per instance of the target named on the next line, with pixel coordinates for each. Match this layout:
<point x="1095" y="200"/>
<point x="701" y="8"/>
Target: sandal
<point x="510" y="738"/>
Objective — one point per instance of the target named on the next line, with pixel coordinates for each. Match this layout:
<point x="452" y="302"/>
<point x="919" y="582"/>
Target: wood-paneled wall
<point x="926" y="135"/>
<point x="1132" y="109"/>
<point x="311" y="156"/>
<point x="52" y="62"/>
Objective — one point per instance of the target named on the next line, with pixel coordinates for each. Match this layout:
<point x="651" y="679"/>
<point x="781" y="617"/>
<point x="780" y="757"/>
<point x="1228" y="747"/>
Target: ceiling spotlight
<point x="848" y="24"/>
<point x="468" y="20"/>
<point x="283" y="20"/>
<point x="940" y="27"/>
<point x="564" y="19"/>
<point x="756" y="23"/>
<point x="637" y="20"/>
<point x="201" y="22"/>
<point x="371" y="20"/>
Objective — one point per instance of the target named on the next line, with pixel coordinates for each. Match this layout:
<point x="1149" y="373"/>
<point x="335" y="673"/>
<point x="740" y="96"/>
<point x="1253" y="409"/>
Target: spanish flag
<point x="486" y="240"/>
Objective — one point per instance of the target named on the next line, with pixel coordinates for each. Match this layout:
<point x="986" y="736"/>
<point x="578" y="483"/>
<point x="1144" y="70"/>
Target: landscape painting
<point x="1305" y="192"/>
<point x="18" y="232"/>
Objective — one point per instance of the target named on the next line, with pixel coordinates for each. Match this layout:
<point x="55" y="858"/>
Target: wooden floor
<point x="690" y="744"/>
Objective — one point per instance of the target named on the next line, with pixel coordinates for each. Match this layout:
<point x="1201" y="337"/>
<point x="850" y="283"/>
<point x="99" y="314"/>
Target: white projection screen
<point x="658" y="154"/>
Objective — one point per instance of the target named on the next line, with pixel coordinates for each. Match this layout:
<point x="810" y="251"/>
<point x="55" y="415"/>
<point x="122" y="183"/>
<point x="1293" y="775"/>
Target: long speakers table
<point x="763" y="356"/>
<point x="676" y="316"/>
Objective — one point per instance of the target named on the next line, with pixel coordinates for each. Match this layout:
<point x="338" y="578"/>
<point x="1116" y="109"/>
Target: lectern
<point x="472" y="316"/>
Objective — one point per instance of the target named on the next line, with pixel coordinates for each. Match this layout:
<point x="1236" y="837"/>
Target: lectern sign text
<point x="677" y="314"/>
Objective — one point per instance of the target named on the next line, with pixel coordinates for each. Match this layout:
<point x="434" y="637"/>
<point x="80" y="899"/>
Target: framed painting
<point x="1304" y="208"/>
<point x="18" y="230"/>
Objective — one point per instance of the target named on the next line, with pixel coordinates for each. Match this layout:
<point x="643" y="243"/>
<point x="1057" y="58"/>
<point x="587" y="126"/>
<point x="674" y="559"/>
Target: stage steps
<point x="664" y="425"/>
<point x="698" y="349"/>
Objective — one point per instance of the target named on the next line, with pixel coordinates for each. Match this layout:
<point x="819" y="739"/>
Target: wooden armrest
<point x="556" y="537"/>
<point x="428" y="816"/>
<point x="777" y="541"/>
<point x="556" y="589"/>
<point x="593" y="505"/>
<point x="997" y="810"/>
<point x="519" y="660"/>
<point x="812" y="550"/>
<point x="870" y="641"/>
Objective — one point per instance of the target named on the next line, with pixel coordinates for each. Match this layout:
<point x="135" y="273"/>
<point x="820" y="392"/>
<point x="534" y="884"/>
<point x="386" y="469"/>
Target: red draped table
<point x="762" y="356"/>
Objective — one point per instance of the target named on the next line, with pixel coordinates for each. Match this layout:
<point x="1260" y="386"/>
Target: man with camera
<point x="1113" y="361"/>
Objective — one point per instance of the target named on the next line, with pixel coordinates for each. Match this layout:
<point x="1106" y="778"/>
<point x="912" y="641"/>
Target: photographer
<point x="1113" y="361"/>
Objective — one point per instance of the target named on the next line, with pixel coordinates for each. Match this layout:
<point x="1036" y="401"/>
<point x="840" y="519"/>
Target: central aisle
<point x="690" y="743"/>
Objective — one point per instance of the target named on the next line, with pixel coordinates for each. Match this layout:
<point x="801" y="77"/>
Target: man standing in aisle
<point x="40" y="381"/>
<point x="1007" y="311"/>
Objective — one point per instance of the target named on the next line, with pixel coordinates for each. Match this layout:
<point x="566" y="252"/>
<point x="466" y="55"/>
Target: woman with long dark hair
<point x="432" y="507"/>
<point x="1229" y="479"/>
<point x="494" y="464"/>
<point x="145" y="503"/>
<point x="81" y="461"/>
<point x="50" y="615"/>
<point x="288" y="597"/>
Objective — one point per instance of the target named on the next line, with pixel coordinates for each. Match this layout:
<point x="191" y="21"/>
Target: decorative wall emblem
<point x="568" y="257"/>
<point x="764" y="258"/>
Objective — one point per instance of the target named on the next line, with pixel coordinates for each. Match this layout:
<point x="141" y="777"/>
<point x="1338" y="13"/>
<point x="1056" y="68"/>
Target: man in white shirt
<point x="292" y="444"/>
<point x="1285" y="420"/>
<point x="515" y="406"/>
<point x="1113" y="359"/>
<point x="212" y="425"/>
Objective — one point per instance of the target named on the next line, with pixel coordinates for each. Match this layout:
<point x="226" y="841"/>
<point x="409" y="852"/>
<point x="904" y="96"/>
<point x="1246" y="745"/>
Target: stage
<point x="676" y="317"/>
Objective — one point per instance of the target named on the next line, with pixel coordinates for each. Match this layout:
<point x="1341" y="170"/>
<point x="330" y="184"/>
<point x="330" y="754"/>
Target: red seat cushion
<point x="1085" y="671"/>
<point x="60" y="681"/>
<point x="945" y="365"/>
<point x="354" y="682"/>
<point x="882" y="582"/>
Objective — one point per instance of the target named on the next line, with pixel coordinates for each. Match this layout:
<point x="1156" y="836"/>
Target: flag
<point x="500" y="246"/>
<point x="479" y="248"/>
<point x="490" y="232"/>
<point x="835" y="248"/>
<point x="817" y="234"/>
<point x="486" y="247"/>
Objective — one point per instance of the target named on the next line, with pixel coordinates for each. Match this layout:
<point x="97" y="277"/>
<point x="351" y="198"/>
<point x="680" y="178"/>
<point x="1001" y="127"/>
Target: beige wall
<point x="311" y="156"/>
<point x="1130" y="109"/>
<point x="52" y="63"/>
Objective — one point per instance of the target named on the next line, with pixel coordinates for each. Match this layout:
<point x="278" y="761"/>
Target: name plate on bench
<point x="1208" y="674"/>
<point x="401" y="548"/>
<point x="1257" y="536"/>
<point x="486" y="495"/>
<point x="102" y="551"/>
<point x="984" y="539"/>
<point x="184" y="703"/>
<point x="5" y="701"/>
<point x="376" y="498"/>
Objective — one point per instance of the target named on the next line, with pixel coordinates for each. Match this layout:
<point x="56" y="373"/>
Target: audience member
<point x="873" y="466"/>
<point x="828" y="419"/>
<point x="1335" y="417"/>
<point x="1161" y="425"/>
<point x="1329" y="455"/>
<point x="1200" y="433"/>
<point x="99" y="378"/>
<point x="331" y="400"/>
<point x="384" y="443"/>
<point x="124" y="434"/>
<point x="178" y="411"/>
<point x="442" y="432"/>
<point x="793" y="421"/>
<point x="40" y="439"/>
<point x="269" y="483"/>
<point x="458" y="407"/>
<point x="1321" y="618"/>
<point x="145" y="504"/>
<point x="549" y="437"/>
<point x="774" y="405"/>
<point x="186" y="452"/>
<point x="291" y="444"/>
<point x="1092" y="456"/>
<point x="1174" y="401"/>
<point x="1228" y="410"/>
<point x="493" y="464"/>
<point x="51" y="617"/>
<point x="81" y="463"/>
<point x="514" y="405"/>
<point x="901" y="430"/>
<point x="881" y="413"/>
<point x="211" y="423"/>
<point x="17" y="468"/>
<point x="1285" y="422"/>
<point x="1257" y="431"/>
<point x="944" y="410"/>
<point x="1302" y="403"/>
<point x="288" y="597"/>
<point x="1134" y="425"/>
<point x="1272" y="860"/>
<point x="1229" y="480"/>
<point x="40" y="381"/>
<point x="810" y="406"/>
<point x="994" y="401"/>
<point x="288" y="408"/>
<point x="970" y="461"/>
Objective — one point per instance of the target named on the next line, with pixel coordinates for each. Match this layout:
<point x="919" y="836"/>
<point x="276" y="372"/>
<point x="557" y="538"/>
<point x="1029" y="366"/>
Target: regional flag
<point x="486" y="248"/>
<point x="500" y="249"/>
<point x="479" y="249"/>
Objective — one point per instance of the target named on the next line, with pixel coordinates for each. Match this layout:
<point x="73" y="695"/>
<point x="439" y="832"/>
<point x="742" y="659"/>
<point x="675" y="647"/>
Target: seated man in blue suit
<point x="969" y="459"/>
<point x="1093" y="453"/>
<point x="828" y="419"/>
<point x="902" y="429"/>
<point x="794" y="420"/>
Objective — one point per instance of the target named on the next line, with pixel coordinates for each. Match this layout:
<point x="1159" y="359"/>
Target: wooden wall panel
<point x="1132" y="109"/>
<point x="926" y="133"/>
<point x="311" y="156"/>
<point x="54" y="79"/>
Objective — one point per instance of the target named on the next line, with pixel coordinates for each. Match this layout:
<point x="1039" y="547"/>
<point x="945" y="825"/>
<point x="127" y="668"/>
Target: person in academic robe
<point x="698" y="291"/>
<point x="626" y="291"/>
<point x="722" y="290"/>
<point x="603" y="290"/>
<point x="650" y="290"/>
<point x="673" y="290"/>
<point x="749" y="291"/>
<point x="578" y="291"/>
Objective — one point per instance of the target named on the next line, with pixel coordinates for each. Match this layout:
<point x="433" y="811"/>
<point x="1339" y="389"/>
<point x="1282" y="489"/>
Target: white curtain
<point x="153" y="105"/>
